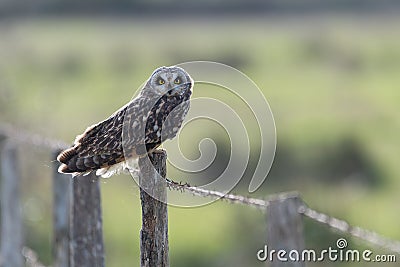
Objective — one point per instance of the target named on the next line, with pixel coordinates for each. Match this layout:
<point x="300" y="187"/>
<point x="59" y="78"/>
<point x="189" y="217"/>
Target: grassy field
<point x="332" y="83"/>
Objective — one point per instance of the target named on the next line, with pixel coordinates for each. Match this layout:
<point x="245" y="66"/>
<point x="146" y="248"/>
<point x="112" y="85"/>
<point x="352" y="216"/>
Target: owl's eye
<point x="177" y="81"/>
<point x="160" y="81"/>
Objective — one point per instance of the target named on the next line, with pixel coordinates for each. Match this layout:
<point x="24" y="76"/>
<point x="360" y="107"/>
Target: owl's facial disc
<point x="171" y="81"/>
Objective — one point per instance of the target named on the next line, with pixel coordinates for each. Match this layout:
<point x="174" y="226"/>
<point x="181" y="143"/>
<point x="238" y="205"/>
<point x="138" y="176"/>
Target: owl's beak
<point x="176" y="89"/>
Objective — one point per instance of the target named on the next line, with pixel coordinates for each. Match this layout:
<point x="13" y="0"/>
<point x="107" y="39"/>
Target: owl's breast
<point x="166" y="117"/>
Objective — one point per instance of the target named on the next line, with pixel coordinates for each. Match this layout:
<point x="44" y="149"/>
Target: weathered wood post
<point x="285" y="229"/>
<point x="153" y="196"/>
<point x="11" y="221"/>
<point x="86" y="245"/>
<point x="62" y="194"/>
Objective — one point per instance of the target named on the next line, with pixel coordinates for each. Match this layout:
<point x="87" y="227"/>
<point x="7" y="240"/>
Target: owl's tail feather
<point x="66" y="158"/>
<point x="104" y="165"/>
<point x="73" y="163"/>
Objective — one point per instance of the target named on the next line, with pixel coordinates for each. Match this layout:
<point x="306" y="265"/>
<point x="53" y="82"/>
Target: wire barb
<point x="235" y="199"/>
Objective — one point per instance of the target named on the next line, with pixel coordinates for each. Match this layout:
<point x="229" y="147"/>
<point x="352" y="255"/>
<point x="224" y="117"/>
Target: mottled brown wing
<point x="98" y="147"/>
<point x="101" y="145"/>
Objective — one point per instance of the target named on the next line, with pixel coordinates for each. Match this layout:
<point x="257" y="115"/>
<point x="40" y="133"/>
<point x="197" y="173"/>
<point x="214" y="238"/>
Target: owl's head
<point x="169" y="80"/>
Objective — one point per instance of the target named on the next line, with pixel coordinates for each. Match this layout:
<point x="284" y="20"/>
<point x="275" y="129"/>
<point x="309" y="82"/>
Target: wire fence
<point x="303" y="209"/>
<point x="31" y="138"/>
<point x="332" y="222"/>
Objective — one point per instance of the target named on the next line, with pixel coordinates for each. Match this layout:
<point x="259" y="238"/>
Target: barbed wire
<point x="332" y="222"/>
<point x="234" y="199"/>
<point x="261" y="204"/>
<point x="344" y="227"/>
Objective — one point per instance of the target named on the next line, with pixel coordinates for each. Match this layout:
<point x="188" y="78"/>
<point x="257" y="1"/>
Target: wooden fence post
<point x="11" y="221"/>
<point x="62" y="194"/>
<point x="86" y="245"/>
<point x="285" y="229"/>
<point x="154" y="232"/>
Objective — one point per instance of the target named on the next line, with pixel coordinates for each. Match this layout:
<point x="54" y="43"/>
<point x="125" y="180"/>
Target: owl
<point x="135" y="130"/>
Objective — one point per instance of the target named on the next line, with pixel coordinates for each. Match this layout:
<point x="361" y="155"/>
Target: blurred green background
<point x="331" y="78"/>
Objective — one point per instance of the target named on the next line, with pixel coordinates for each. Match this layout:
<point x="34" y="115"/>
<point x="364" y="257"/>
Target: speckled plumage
<point x="139" y="127"/>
